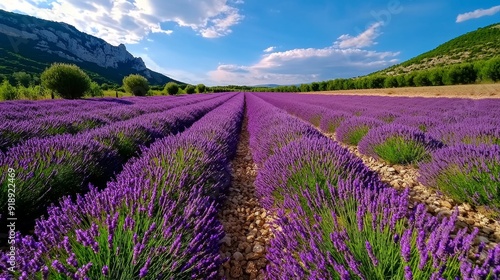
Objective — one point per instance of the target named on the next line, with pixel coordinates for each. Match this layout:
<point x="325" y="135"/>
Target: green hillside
<point x="482" y="44"/>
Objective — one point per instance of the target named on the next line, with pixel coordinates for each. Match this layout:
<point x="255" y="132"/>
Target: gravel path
<point x="248" y="226"/>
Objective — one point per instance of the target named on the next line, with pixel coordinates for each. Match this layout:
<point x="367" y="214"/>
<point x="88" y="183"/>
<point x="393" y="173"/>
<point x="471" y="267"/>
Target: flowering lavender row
<point x="50" y="168"/>
<point x="339" y="221"/>
<point x="411" y="131"/>
<point x="31" y="110"/>
<point x="157" y="220"/>
<point x="398" y="144"/>
<point x="466" y="172"/>
<point x="78" y="119"/>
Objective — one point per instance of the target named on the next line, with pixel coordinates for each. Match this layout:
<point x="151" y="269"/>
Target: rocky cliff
<point x="29" y="38"/>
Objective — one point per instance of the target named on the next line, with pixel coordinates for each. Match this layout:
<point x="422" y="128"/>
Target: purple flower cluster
<point x="157" y="220"/>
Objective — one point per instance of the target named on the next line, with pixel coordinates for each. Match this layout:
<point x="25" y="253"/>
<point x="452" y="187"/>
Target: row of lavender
<point x="454" y="142"/>
<point x="339" y="221"/>
<point x="49" y="168"/>
<point x="18" y="124"/>
<point x="157" y="220"/>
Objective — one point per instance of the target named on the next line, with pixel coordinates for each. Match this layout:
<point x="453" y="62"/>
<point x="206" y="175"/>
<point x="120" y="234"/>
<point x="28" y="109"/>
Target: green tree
<point x="391" y="82"/>
<point x="305" y="88"/>
<point x="95" y="90"/>
<point x="376" y="81"/>
<point x="315" y="86"/>
<point x="190" y="89"/>
<point x="7" y="91"/>
<point x="22" y="78"/>
<point x="172" y="88"/>
<point x="66" y="80"/>
<point x="136" y="84"/>
<point x="422" y="79"/>
<point x="105" y="86"/>
<point x="492" y="69"/>
<point x="201" y="88"/>
<point x="436" y="77"/>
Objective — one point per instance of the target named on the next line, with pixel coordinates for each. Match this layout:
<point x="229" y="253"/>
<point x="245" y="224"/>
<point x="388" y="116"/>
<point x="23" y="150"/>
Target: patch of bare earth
<point x="248" y="226"/>
<point x="403" y="176"/>
<point x="476" y="91"/>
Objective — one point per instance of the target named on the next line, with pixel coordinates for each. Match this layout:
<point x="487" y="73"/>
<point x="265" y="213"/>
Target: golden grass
<point x="476" y="91"/>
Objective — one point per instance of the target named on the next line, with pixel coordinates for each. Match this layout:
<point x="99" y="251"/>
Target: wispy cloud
<point x="130" y="21"/>
<point x="365" y="39"/>
<point x="478" y="13"/>
<point x="270" y="49"/>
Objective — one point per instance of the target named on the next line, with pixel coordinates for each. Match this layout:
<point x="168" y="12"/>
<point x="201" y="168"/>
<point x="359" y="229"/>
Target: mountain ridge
<point x="30" y="44"/>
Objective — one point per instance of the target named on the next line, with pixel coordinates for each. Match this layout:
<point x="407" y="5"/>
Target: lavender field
<point x="250" y="186"/>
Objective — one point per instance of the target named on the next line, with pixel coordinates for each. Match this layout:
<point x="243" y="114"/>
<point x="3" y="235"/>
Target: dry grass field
<point x="475" y="91"/>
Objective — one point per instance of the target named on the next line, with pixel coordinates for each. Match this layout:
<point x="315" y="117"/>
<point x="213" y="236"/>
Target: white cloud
<point x="304" y="66"/>
<point x="365" y="39"/>
<point x="345" y="58"/>
<point x="130" y="21"/>
<point x="270" y="49"/>
<point x="478" y="13"/>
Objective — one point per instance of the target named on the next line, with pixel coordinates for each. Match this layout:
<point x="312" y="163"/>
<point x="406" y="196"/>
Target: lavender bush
<point x="398" y="144"/>
<point x="332" y="120"/>
<point x="352" y="130"/>
<point x="467" y="173"/>
<point x="47" y="169"/>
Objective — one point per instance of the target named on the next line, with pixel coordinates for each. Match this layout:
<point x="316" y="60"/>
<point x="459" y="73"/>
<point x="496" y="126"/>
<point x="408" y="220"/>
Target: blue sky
<point x="252" y="42"/>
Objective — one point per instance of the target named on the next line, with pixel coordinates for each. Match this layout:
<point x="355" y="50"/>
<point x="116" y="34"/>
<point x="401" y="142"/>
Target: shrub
<point x="136" y="84"/>
<point x="172" y="88"/>
<point x="398" y="144"/>
<point x="66" y="80"/>
<point x="7" y="91"/>
<point x="467" y="173"/>
<point x="352" y="130"/>
<point x="190" y="89"/>
<point x="95" y="90"/>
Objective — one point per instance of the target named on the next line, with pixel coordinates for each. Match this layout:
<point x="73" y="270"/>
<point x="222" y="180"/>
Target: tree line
<point x="70" y="82"/>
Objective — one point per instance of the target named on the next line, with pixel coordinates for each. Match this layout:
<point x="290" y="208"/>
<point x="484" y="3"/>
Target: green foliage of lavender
<point x="397" y="150"/>
<point x="352" y="130"/>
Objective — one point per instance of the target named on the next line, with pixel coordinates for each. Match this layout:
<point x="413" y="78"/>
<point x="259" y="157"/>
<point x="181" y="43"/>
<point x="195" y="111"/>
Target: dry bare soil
<point x="461" y="91"/>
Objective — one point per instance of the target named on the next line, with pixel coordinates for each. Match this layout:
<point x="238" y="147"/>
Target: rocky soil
<point x="248" y="226"/>
<point x="402" y="176"/>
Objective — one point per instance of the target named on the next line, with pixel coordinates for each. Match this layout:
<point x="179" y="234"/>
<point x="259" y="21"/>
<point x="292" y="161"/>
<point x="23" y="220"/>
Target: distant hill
<point x="482" y="44"/>
<point x="30" y="44"/>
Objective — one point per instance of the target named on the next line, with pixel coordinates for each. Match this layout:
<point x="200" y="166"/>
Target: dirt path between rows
<point x="248" y="226"/>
